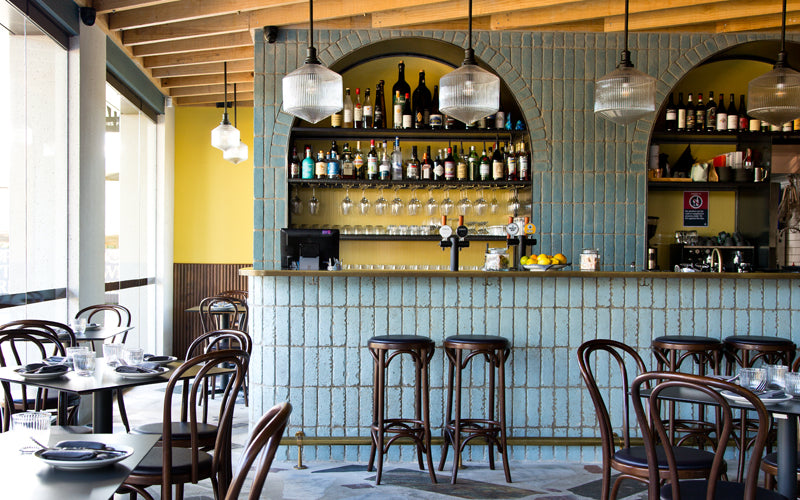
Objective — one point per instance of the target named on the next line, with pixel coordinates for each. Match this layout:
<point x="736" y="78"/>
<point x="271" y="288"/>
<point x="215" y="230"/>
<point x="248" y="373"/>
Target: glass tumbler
<point x="31" y="425"/>
<point x="776" y="374"/>
<point x="112" y="354"/>
<point x="84" y="363"/>
<point x="751" y="377"/>
<point x="792" y="384"/>
<point x="134" y="355"/>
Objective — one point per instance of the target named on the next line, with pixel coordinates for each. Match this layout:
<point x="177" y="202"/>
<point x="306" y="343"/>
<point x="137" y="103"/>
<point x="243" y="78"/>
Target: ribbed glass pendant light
<point x="469" y="93"/>
<point x="626" y="94"/>
<point x="774" y="97"/>
<point x="238" y="153"/>
<point x="312" y="91"/>
<point x="225" y="135"/>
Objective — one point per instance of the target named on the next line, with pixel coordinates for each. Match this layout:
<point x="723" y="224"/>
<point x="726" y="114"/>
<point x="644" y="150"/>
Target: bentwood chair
<point x="122" y="316"/>
<point x="174" y="463"/>
<point x="63" y="332"/>
<point x="263" y="442"/>
<point x="223" y="313"/>
<point x="770" y="462"/>
<point x="698" y="390"/>
<point x="237" y="294"/>
<point x="618" y="361"/>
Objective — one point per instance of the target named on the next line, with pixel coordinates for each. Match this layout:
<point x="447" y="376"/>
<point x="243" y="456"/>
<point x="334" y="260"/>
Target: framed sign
<point x="695" y="208"/>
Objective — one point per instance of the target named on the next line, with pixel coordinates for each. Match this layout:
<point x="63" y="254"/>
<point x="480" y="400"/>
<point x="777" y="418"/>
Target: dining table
<point x="101" y="333"/>
<point x="27" y="477"/>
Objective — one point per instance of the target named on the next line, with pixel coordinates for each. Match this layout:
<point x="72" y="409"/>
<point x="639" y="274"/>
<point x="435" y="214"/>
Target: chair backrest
<point x="64" y="333"/>
<point x="703" y="390"/>
<point x="263" y="442"/>
<point x="223" y="313"/>
<point x="198" y="369"/>
<point x="237" y="294"/>
<point x="220" y="339"/>
<point x="619" y="359"/>
<point x="112" y="311"/>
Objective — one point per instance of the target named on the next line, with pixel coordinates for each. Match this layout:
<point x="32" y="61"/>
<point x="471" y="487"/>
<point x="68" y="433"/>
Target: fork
<point x="761" y="386"/>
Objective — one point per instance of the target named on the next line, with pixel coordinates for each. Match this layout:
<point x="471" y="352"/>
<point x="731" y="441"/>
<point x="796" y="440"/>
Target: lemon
<point x="542" y="256"/>
<point x="561" y="258"/>
<point x="523" y="260"/>
<point x="543" y="260"/>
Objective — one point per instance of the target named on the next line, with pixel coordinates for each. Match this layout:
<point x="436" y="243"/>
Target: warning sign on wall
<point x="695" y="208"/>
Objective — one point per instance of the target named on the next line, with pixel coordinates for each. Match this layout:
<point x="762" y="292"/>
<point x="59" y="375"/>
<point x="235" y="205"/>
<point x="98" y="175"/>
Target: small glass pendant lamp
<point x="225" y="135"/>
<point x="238" y="153"/>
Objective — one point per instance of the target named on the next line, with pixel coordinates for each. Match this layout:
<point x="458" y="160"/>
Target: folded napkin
<point x="43" y="368"/>
<point x="57" y="360"/>
<point x="84" y="445"/>
<point x="153" y="357"/>
<point x="771" y="394"/>
<point x="134" y="369"/>
<point x="68" y="455"/>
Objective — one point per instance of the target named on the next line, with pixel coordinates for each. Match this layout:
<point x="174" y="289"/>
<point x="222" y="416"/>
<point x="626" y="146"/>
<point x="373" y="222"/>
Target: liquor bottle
<point x="733" y="115"/>
<point x="294" y="164"/>
<point x="401" y="85"/>
<point x="397" y="110"/>
<point x="473" y="164"/>
<point x="681" y="113"/>
<point x="412" y="167"/>
<point x="462" y="167"/>
<point x="523" y="163"/>
<point x="510" y="160"/>
<point x="722" y="115"/>
<point x="421" y="102"/>
<point x="397" y="161"/>
<point x="348" y="168"/>
<point x="426" y="167"/>
<point x="754" y="124"/>
<point x="449" y="166"/>
<point x="321" y="167"/>
<point x="372" y="162"/>
<point x="671" y="118"/>
<point x="358" y="110"/>
<point x="380" y="120"/>
<point x="449" y="122"/>
<point x="499" y="120"/>
<point x="498" y="168"/>
<point x="334" y="168"/>
<point x="359" y="171"/>
<point x="385" y="168"/>
<point x="435" y="116"/>
<point x="438" y="167"/>
<point x="408" y="116"/>
<point x="348" y="109"/>
<point x="489" y="122"/>
<point x="485" y="167"/>
<point x="367" y="110"/>
<point x="690" y="113"/>
<point x="307" y="167"/>
<point x="743" y="120"/>
<point x="711" y="113"/>
<point x="700" y="114"/>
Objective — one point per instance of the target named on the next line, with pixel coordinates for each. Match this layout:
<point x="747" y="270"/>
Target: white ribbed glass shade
<point x="625" y="95"/>
<point x="236" y="154"/>
<point x="225" y="136"/>
<point x="312" y="92"/>
<point x="774" y="97"/>
<point x="469" y="93"/>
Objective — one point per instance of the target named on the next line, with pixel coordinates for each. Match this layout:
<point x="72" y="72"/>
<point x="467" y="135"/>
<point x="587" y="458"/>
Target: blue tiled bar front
<point x="311" y="332"/>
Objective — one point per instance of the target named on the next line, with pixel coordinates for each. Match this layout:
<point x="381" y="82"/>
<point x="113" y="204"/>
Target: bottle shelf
<point x="706" y="186"/>
<point x="425" y="237"/>
<point x="375" y="184"/>
<point x="385" y="133"/>
<point x="696" y="137"/>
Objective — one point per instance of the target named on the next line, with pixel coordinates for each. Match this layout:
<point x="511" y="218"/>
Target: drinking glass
<point x="364" y="205"/>
<point x="134" y="355"/>
<point x="513" y="204"/>
<point x="464" y="205"/>
<point x="381" y="204"/>
<point x="78" y="325"/>
<point x="112" y="354"/>
<point x="494" y="205"/>
<point x="446" y="205"/>
<point x="414" y="205"/>
<point x="432" y="206"/>
<point x="31" y="424"/>
<point x="792" y="384"/>
<point x="313" y="203"/>
<point x="397" y="204"/>
<point x="84" y="363"/>
<point x="347" y="204"/>
<point x="480" y="205"/>
<point x="71" y="351"/>
<point x="776" y="374"/>
<point x="751" y="377"/>
<point x="296" y="204"/>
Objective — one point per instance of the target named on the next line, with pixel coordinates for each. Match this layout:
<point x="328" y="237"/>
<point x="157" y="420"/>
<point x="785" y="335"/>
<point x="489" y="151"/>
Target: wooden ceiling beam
<point x="210" y="68"/>
<point x="108" y="6"/>
<point x="478" y="23"/>
<point x="241" y="88"/>
<point x="200" y="80"/>
<point x="242" y="98"/>
<point x="589" y="26"/>
<point x="758" y="23"/>
<point x="242" y="39"/>
<point x="221" y="55"/>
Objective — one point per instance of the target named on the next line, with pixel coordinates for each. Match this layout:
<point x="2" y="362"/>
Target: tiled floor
<point x="341" y="480"/>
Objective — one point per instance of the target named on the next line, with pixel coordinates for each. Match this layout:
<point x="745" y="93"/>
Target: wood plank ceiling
<point x="181" y="44"/>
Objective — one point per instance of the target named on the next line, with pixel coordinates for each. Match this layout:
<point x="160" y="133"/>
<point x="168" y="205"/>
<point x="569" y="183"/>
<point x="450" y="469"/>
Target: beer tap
<point x="519" y="239"/>
<point x="455" y="241"/>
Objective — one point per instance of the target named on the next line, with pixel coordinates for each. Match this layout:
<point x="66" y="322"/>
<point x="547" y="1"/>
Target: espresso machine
<point x="652" y="252"/>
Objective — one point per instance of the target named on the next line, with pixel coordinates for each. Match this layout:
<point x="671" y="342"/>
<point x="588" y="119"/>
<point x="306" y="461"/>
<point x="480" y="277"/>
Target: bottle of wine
<point x="408" y="115"/>
<point x="348" y="109"/>
<point x="412" y="167"/>
<point x="397" y="110"/>
<point x="421" y="103"/>
<point x="449" y="166"/>
<point x="426" y="167"/>
<point x="438" y="167"/>
<point x="711" y="113"/>
<point x="367" y="110"/>
<point x="473" y="164"/>
<point x="743" y="120"/>
<point x="733" y="115"/>
<point x="485" y="167"/>
<point x="359" y="171"/>
<point x="401" y="85"/>
<point x="321" y="167"/>
<point x="462" y="167"/>
<point x="500" y="120"/>
<point x="307" y="167"/>
<point x="511" y="163"/>
<point x="671" y="116"/>
<point x="754" y="124"/>
<point x="379" y="118"/>
<point x="358" y="110"/>
<point x="397" y="161"/>
<point x="722" y="115"/>
<point x="336" y="119"/>
<point x="385" y="168"/>
<point x="498" y="167"/>
<point x="523" y="163"/>
<point x="294" y="164"/>
<point x="435" y="116"/>
<point x="681" y="113"/>
<point x="700" y="114"/>
<point x="372" y="162"/>
<point x="348" y="169"/>
<point x="690" y="113"/>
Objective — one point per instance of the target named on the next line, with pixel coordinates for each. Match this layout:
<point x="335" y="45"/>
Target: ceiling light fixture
<point x="774" y="97"/>
<point x="238" y="153"/>
<point x="225" y="135"/>
<point x="312" y="91"/>
<point x="469" y="93"/>
<point x="626" y="94"/>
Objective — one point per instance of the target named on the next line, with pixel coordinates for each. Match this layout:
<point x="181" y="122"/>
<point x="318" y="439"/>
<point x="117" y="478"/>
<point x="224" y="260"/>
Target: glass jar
<point x="496" y="259"/>
<point x="590" y="259"/>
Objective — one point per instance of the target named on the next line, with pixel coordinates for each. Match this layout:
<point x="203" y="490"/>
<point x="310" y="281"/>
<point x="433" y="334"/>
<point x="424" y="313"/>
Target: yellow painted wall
<point x="213" y="197"/>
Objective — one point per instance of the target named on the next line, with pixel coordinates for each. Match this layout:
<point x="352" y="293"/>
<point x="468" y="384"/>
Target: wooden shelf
<point x="706" y="186"/>
<point x="725" y="137"/>
<point x="407" y="182"/>
<point x="433" y="135"/>
<point x="416" y="237"/>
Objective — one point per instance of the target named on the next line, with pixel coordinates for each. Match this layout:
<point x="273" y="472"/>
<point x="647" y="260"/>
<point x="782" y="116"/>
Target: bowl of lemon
<point x="544" y="262"/>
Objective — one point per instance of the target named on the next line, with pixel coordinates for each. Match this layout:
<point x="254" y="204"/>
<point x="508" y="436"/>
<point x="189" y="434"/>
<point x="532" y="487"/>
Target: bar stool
<point x="744" y="351"/>
<point x="670" y="352"/>
<point x="495" y="351"/>
<point x="383" y="350"/>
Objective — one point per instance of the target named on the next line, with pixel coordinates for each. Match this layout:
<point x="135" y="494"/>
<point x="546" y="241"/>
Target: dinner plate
<point x="161" y="362"/>
<point x="40" y="376"/>
<point x="740" y="399"/>
<point x="58" y="360"/>
<point x="161" y="370"/>
<point x="545" y="267"/>
<point x="93" y="326"/>
<point x="87" y="464"/>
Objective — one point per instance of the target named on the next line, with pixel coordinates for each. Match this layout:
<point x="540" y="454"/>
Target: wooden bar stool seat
<point x="495" y="351"/>
<point x="384" y="349"/>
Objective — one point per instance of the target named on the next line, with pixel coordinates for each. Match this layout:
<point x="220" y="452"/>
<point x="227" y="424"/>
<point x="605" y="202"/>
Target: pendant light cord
<point x="225" y="104"/>
<point x="470" y="23"/>
<point x="625" y="60"/>
<point x="469" y="54"/>
<point x="311" y="52"/>
<point x="781" y="62"/>
<point x="235" y="108"/>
